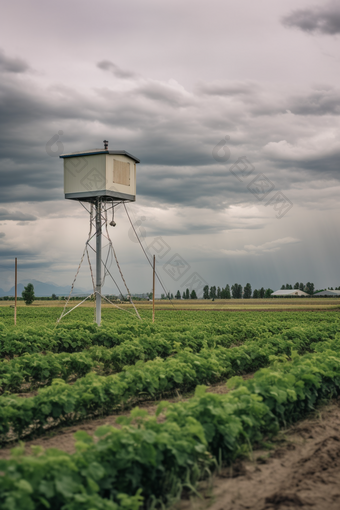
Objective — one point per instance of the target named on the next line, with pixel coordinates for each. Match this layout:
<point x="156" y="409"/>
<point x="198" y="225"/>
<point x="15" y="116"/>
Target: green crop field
<point x="200" y="304"/>
<point x="52" y="376"/>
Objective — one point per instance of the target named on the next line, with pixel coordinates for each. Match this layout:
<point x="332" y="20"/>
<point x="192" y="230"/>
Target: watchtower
<point x="103" y="178"/>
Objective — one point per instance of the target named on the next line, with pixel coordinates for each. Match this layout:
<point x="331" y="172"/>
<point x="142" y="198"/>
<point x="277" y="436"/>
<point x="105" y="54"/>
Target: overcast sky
<point x="171" y="83"/>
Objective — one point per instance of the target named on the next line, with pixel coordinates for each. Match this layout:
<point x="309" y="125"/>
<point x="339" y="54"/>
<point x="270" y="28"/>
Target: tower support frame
<point x="98" y="262"/>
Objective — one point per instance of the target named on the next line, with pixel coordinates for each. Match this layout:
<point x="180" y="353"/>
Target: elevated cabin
<point x="100" y="173"/>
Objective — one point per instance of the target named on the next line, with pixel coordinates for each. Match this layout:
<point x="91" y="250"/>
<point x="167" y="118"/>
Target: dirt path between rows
<point x="303" y="472"/>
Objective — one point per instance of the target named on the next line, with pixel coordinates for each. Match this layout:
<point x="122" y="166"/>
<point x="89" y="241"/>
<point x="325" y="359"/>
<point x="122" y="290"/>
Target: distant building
<point x="289" y="292"/>
<point x="334" y="293"/>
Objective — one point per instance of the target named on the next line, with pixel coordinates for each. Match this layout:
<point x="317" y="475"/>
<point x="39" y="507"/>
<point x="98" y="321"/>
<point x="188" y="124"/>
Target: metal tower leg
<point x="98" y="262"/>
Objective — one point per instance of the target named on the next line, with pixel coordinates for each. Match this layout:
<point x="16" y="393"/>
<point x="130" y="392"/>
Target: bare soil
<point x="302" y="472"/>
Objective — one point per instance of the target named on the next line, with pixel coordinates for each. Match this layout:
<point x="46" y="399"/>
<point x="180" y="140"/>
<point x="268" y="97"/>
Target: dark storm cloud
<point x="8" y="252"/>
<point x="171" y="130"/>
<point x="164" y="94"/>
<point x="29" y="117"/>
<point x="30" y="176"/>
<point x="228" y="89"/>
<point x="30" y="194"/>
<point x="12" y="65"/>
<point x="106" y="65"/>
<point x="15" y="216"/>
<point x="7" y="265"/>
<point x="201" y="228"/>
<point x="28" y="257"/>
<point x="210" y="187"/>
<point x="309" y="167"/>
<point x="322" y="102"/>
<point x="24" y="103"/>
<point x="323" y="20"/>
<point x="245" y="98"/>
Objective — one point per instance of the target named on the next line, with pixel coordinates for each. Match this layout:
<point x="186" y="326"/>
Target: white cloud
<point x="268" y="247"/>
<point x="320" y="146"/>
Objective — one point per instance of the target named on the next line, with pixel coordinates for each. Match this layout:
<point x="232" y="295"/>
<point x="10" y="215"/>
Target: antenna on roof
<point x="106" y="144"/>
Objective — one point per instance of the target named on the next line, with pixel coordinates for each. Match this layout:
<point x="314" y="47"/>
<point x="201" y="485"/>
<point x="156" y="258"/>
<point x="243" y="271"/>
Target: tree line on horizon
<point x="236" y="291"/>
<point x="308" y="287"/>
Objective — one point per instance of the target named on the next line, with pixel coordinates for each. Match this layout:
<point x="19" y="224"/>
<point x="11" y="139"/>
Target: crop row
<point x="160" y="458"/>
<point x="43" y="316"/>
<point x="195" y="326"/>
<point x="42" y="368"/>
<point x="97" y="394"/>
<point x="80" y="336"/>
<point x="81" y="339"/>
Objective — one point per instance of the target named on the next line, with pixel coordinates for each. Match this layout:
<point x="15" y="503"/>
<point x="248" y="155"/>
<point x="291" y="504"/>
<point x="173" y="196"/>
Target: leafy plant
<point x="28" y="294"/>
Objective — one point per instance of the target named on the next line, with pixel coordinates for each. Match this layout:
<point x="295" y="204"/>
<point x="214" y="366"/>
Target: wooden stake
<point x="16" y="291"/>
<point x="153" y="288"/>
